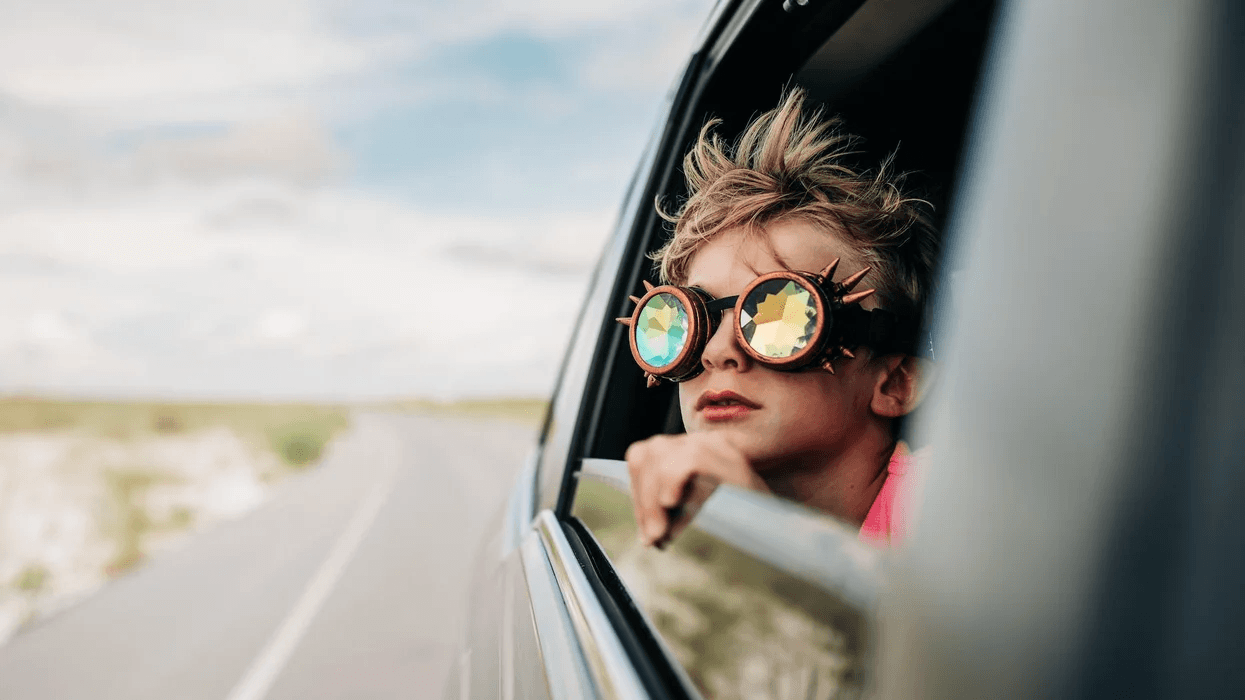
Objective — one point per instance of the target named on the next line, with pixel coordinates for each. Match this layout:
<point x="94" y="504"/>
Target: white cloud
<point x="280" y="326"/>
<point x="177" y="218"/>
<point x="615" y="64"/>
<point x="294" y="147"/>
<point x="550" y="18"/>
<point x="134" y="62"/>
<point x="102" y="55"/>
<point x="49" y="328"/>
<point x="366" y="296"/>
<point x="50" y="347"/>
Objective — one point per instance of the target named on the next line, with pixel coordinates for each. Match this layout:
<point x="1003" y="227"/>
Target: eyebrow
<point x="769" y="248"/>
<point x="785" y="265"/>
<point x="752" y="269"/>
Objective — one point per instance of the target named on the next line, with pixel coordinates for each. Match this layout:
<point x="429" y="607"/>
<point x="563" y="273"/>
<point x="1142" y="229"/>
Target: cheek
<point x="687" y="400"/>
<point x="822" y="399"/>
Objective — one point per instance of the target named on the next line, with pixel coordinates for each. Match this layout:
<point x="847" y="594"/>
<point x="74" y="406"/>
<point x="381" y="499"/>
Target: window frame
<point x="583" y="402"/>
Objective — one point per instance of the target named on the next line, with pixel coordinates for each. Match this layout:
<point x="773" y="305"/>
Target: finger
<point x="672" y="495"/>
<point x="634" y="457"/>
<point x="655" y="518"/>
<point x="636" y="512"/>
<point x="696" y="491"/>
<point x="645" y="468"/>
<point x="636" y="469"/>
<point x="699" y="488"/>
<point x="673" y="484"/>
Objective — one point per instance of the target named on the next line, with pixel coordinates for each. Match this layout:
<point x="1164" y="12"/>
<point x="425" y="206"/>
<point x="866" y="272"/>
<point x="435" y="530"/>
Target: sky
<point x="314" y="199"/>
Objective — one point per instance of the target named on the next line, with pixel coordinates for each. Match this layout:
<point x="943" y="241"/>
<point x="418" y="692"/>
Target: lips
<point x="724" y="405"/>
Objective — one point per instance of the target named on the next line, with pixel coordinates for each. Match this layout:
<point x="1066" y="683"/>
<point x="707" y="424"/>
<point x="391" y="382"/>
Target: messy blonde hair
<point x="789" y="166"/>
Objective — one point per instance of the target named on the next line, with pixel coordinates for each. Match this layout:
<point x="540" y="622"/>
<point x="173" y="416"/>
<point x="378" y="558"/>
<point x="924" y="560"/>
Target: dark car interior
<point x="902" y="75"/>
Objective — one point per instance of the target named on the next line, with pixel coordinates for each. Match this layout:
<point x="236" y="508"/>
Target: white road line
<point x="260" y="676"/>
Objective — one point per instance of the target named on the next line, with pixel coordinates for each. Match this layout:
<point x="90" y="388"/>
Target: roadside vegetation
<point x="296" y="433"/>
<point x="89" y="489"/>
<point x="523" y="410"/>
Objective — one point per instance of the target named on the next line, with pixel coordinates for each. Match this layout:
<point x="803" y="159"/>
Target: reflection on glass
<point x="739" y="627"/>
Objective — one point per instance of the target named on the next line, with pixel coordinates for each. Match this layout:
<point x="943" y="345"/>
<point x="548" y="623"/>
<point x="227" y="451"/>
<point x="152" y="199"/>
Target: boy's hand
<point x="673" y="475"/>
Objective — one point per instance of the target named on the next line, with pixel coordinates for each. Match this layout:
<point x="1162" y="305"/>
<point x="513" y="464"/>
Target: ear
<point x="896" y="390"/>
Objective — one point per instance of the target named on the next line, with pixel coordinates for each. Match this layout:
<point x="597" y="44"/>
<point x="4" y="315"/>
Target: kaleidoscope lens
<point x="780" y="319"/>
<point x="661" y="330"/>
<point x="669" y="328"/>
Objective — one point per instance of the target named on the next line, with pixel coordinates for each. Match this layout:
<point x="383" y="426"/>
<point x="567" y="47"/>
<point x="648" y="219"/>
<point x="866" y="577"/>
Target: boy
<point x="822" y="435"/>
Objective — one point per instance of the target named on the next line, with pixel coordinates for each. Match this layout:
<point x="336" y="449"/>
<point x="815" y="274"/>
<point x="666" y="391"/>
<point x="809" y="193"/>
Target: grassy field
<point x="297" y="433"/>
<point x="523" y="410"/>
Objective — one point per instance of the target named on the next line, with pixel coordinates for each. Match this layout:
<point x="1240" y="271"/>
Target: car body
<point x="1076" y="530"/>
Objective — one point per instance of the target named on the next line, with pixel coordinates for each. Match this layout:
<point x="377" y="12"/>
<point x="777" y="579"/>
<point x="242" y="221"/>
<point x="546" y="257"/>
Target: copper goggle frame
<point x="701" y="324"/>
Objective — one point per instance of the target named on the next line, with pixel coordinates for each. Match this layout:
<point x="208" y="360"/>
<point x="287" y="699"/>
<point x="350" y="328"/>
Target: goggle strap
<point x="879" y="329"/>
<point x="717" y="306"/>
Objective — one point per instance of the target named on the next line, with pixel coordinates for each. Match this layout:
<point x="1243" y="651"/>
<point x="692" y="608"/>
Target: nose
<point x="723" y="351"/>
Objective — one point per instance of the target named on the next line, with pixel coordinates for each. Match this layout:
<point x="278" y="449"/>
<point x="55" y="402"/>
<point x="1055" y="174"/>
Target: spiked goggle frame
<point x="787" y="320"/>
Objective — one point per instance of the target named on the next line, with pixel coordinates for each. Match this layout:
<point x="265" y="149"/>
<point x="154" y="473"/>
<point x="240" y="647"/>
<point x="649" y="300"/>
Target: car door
<point x="1080" y="533"/>
<point x="1075" y="534"/>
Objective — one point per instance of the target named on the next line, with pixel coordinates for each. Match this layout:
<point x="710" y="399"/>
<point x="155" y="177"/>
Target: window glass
<point x="738" y="626"/>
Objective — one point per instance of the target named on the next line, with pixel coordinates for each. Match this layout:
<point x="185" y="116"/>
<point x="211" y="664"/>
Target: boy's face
<point x="779" y="419"/>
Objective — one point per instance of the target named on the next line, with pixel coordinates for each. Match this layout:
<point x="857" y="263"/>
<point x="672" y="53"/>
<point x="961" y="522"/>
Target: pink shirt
<point x="887" y="521"/>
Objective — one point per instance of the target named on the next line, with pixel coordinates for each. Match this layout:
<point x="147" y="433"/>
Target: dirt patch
<point x="88" y="491"/>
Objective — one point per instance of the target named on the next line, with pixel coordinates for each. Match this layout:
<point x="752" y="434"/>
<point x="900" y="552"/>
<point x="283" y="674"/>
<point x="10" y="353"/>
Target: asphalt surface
<point x="349" y="583"/>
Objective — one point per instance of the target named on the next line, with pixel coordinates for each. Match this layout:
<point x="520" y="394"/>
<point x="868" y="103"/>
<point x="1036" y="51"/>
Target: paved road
<point x="349" y="583"/>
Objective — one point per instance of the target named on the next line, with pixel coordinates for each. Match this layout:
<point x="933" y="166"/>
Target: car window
<point x="738" y="622"/>
<point x="739" y="607"/>
<point x="912" y="100"/>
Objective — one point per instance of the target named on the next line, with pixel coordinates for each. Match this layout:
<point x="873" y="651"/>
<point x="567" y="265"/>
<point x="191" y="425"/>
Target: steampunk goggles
<point x="785" y="320"/>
